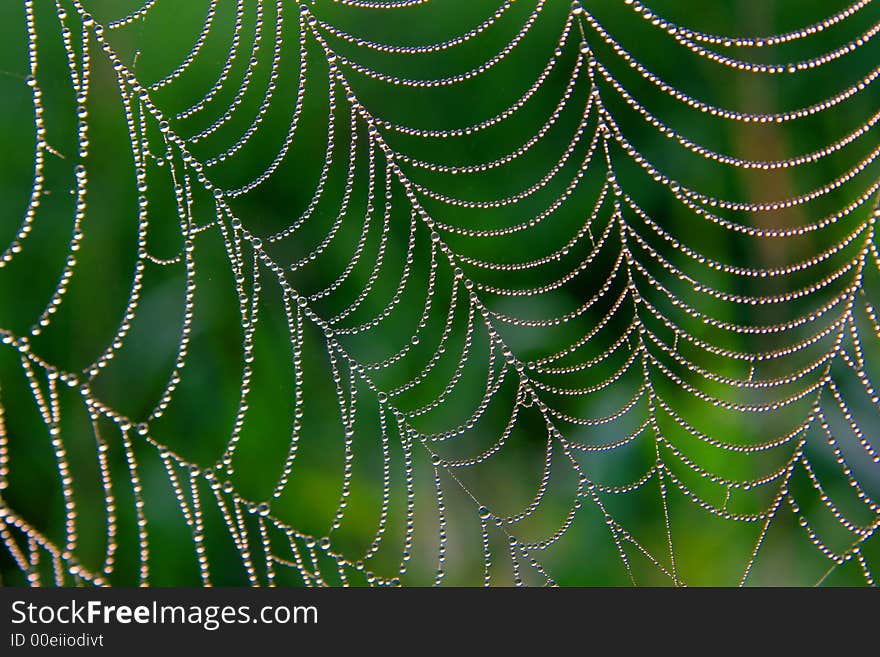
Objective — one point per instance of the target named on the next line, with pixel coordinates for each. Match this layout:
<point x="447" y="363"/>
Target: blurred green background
<point x="202" y="415"/>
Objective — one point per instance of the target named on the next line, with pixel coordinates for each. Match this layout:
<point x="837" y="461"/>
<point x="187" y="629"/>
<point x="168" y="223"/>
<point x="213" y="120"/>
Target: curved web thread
<point x="544" y="361"/>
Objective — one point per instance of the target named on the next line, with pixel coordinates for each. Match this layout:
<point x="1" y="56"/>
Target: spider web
<point x="544" y="297"/>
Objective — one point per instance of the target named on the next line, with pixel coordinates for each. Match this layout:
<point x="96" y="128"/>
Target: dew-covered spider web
<point x="514" y="292"/>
